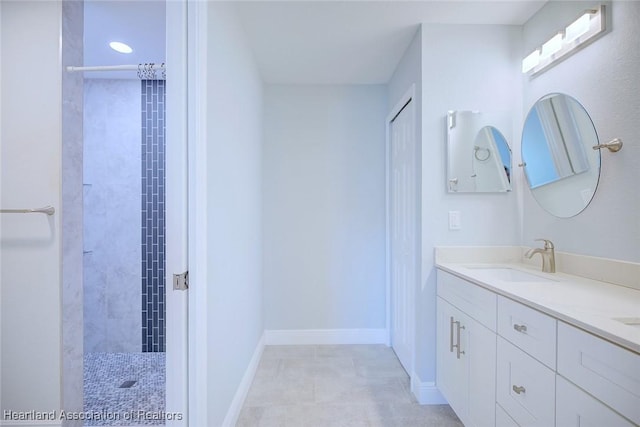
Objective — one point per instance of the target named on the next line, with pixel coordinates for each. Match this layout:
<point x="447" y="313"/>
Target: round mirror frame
<point x="571" y="173"/>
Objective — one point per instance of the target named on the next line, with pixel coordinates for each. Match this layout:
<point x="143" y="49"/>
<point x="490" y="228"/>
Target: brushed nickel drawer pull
<point x="459" y="351"/>
<point x="451" y="335"/>
<point x="520" y="328"/>
<point x="519" y="389"/>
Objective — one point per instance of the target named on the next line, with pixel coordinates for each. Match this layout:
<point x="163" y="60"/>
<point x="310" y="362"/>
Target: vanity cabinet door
<point x="606" y="371"/>
<point x="466" y="365"/>
<point x="450" y="371"/>
<point x="575" y="408"/>
<point x="479" y="345"/>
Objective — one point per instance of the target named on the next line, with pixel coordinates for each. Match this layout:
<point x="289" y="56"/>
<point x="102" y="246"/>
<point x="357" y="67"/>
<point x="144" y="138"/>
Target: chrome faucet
<point x="547" y="253"/>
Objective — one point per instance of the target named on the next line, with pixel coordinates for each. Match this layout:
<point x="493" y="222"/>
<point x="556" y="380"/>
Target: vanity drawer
<point x="575" y="408"/>
<point x="503" y="419"/>
<point x="606" y="371"/>
<point x="525" y="387"/>
<point x="530" y="330"/>
<point x="469" y="298"/>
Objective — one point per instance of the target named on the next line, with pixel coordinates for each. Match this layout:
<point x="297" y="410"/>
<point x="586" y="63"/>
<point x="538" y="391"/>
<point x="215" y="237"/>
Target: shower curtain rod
<point x="147" y="70"/>
<point x="118" y="67"/>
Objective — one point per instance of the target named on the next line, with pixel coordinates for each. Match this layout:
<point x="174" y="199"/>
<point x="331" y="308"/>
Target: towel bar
<point x="49" y="210"/>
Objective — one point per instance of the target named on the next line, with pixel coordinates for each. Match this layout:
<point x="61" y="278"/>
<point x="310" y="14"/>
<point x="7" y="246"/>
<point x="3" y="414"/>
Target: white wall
<point x="112" y="200"/>
<point x="30" y="151"/>
<point x="464" y="67"/>
<point x="604" y="78"/>
<point x="324" y="207"/>
<point x="234" y="155"/>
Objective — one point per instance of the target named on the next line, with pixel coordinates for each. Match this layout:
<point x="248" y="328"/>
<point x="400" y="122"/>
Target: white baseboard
<point x="235" y="408"/>
<point x="325" y="336"/>
<point x="426" y="393"/>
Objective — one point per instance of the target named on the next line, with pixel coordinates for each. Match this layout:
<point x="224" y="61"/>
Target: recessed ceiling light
<point x="120" y="47"/>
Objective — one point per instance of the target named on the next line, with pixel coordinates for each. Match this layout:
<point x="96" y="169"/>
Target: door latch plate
<point x="181" y="281"/>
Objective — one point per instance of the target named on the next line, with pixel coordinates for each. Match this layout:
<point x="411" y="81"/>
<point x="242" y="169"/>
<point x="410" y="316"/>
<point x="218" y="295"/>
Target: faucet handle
<point x="548" y="244"/>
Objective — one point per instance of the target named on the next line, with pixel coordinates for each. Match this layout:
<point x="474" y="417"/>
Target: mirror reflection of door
<point x="555" y="123"/>
<point x="491" y="161"/>
<point x="560" y="165"/>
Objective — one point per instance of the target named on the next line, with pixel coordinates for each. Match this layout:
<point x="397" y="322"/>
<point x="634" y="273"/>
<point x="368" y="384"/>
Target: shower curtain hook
<point x="152" y="72"/>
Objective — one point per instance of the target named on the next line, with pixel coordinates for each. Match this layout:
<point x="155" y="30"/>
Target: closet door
<point x="403" y="233"/>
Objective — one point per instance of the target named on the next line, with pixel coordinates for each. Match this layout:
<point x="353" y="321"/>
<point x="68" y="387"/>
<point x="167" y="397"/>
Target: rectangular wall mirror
<point x="478" y="156"/>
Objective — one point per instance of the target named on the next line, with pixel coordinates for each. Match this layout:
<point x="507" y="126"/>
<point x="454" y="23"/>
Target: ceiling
<point x="299" y="42"/>
<point x="140" y="24"/>
<point x="342" y="42"/>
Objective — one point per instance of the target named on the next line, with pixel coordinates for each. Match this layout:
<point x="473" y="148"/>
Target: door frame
<point x="176" y="211"/>
<point x="409" y="96"/>
<point x="186" y="379"/>
<point x="197" y="60"/>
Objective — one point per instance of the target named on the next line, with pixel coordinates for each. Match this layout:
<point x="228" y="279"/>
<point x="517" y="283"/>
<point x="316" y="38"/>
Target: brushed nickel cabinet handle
<point x="520" y="328"/>
<point x="451" y="335"/>
<point x="519" y="389"/>
<point x="459" y="351"/>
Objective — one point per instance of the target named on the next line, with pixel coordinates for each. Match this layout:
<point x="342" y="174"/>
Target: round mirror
<point x="491" y="161"/>
<point x="561" y="167"/>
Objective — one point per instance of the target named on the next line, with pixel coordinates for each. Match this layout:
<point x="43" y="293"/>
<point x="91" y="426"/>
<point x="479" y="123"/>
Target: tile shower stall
<point x="124" y="250"/>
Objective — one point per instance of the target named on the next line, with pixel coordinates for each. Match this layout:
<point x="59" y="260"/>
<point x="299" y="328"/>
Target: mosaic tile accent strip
<point x="153" y="215"/>
<point x="107" y="404"/>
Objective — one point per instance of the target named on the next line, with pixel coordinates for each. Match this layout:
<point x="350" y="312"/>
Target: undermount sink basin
<point x="511" y="275"/>
<point x="629" y="321"/>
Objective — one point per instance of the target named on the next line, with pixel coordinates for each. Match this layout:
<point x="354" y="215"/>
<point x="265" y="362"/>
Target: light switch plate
<point x="454" y="220"/>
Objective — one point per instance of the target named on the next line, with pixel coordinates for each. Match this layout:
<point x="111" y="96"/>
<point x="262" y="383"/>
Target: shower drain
<point x="128" y="384"/>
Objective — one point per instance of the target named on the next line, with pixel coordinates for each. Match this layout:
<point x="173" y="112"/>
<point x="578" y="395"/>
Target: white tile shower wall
<point x="153" y="215"/>
<point x="72" y="148"/>
<point x="112" y="272"/>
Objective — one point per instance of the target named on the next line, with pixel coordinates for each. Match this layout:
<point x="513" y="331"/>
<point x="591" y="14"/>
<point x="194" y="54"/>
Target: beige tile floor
<point x="336" y="386"/>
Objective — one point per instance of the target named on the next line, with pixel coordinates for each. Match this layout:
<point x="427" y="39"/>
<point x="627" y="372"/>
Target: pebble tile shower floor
<point x="104" y="373"/>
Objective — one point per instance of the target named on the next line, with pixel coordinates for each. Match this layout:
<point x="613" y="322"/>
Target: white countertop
<point x="588" y="304"/>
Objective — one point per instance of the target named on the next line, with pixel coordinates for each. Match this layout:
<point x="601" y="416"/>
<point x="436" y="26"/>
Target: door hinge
<point x="181" y="281"/>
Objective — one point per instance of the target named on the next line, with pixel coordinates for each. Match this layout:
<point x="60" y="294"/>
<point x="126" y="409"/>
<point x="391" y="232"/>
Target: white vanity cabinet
<point x="502" y="363"/>
<point x="466" y="349"/>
